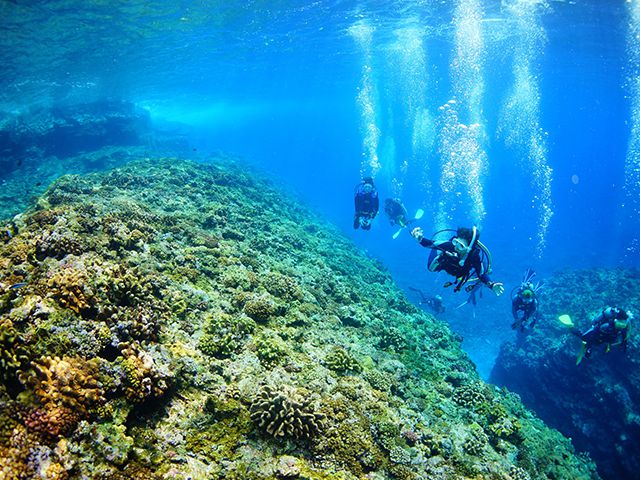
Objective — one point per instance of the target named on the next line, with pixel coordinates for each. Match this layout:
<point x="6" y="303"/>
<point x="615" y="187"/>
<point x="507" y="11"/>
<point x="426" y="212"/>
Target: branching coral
<point x="270" y="349"/>
<point x="517" y="473"/>
<point x="469" y="396"/>
<point x="392" y="338"/>
<point x="71" y="288"/>
<point x="476" y="440"/>
<point x="504" y="427"/>
<point x="58" y="243"/>
<point x="285" y="413"/>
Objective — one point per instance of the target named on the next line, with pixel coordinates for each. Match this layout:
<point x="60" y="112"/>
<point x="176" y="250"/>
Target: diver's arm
<point x="426" y="242"/>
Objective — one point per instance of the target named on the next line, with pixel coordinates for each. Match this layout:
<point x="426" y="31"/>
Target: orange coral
<point x="70" y="287"/>
<point x="67" y="382"/>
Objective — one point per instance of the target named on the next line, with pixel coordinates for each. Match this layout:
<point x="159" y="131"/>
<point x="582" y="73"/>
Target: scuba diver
<point x="524" y="301"/>
<point x="461" y="256"/>
<point x="367" y="204"/>
<point x="612" y="327"/>
<point x="397" y="214"/>
<point x="435" y="304"/>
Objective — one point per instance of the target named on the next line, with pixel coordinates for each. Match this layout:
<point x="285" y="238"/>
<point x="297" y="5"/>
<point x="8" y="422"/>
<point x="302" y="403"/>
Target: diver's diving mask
<point x="460" y="245"/>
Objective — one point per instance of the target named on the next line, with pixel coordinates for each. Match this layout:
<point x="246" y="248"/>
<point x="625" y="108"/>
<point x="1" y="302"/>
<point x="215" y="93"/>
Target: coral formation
<point x="182" y="320"/>
<point x="340" y="361"/>
<point x="285" y="412"/>
<point x="66" y="382"/>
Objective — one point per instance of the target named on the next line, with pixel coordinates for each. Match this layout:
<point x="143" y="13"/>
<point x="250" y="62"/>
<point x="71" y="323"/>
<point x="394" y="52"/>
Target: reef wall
<point x="596" y="403"/>
<point x="170" y="320"/>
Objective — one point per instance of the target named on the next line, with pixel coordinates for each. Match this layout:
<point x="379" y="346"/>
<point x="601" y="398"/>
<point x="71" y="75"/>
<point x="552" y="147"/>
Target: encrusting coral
<point x="181" y="320"/>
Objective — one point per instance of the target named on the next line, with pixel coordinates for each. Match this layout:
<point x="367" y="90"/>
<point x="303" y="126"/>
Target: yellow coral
<point x="68" y="382"/>
<point x="70" y="287"/>
<point x="143" y="380"/>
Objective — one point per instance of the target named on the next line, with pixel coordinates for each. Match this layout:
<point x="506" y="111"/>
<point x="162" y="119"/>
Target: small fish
<point x="15" y="286"/>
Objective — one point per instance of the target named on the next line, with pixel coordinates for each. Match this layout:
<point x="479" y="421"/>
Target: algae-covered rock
<point x="181" y="320"/>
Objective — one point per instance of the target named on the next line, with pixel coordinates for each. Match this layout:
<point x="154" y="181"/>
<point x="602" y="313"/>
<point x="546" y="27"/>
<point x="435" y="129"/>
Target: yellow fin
<point x="566" y="320"/>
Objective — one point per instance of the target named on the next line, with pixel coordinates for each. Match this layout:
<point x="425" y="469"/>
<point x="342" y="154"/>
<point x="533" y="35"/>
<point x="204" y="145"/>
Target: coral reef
<point x="182" y="320"/>
<point x="596" y="402"/>
<point x="285" y="413"/>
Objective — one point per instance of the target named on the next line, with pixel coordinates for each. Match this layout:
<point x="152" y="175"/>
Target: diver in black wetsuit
<point x="460" y="256"/>
<point x="524" y="302"/>
<point x="523" y="307"/>
<point x="366" y="203"/>
<point x="396" y="212"/>
<point x="612" y="327"/>
<point x="435" y="303"/>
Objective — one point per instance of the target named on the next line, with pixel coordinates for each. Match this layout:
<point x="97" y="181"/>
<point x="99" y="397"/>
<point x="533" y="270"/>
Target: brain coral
<point x="285" y="413"/>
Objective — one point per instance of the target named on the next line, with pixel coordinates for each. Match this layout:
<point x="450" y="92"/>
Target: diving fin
<point x="583" y="350"/>
<point x="395" y="235"/>
<point x="566" y="320"/>
<point x="419" y="214"/>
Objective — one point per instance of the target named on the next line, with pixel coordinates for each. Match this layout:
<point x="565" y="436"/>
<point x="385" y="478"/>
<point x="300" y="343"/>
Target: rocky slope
<point x="172" y="320"/>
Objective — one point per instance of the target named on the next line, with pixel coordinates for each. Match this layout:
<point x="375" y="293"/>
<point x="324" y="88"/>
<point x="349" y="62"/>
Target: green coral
<point x="225" y="334"/>
<point x="393" y="338"/>
<point x="505" y="427"/>
<point x="282" y="286"/>
<point x="13" y="352"/>
<point x="270" y="349"/>
<point x="261" y="307"/>
<point x="340" y="361"/>
<point x="476" y="440"/>
<point x="470" y="396"/>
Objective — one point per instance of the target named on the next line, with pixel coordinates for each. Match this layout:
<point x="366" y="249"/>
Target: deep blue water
<point x="280" y="84"/>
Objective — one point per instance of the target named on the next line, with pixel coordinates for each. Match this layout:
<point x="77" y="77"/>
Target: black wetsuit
<point x="396" y="212"/>
<point x="444" y="257"/>
<point x="604" y="329"/>
<point x="367" y="204"/>
<point x="528" y="310"/>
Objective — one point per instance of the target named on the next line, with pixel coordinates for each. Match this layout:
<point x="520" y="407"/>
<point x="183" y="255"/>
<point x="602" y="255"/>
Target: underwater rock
<point x="183" y="320"/>
<point x="597" y="403"/>
<point x="65" y="131"/>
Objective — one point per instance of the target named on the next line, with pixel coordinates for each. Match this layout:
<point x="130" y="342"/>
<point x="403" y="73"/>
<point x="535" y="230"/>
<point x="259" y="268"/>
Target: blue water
<point x="295" y="87"/>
